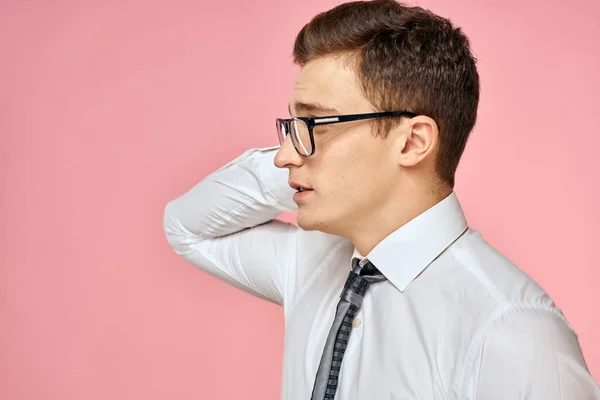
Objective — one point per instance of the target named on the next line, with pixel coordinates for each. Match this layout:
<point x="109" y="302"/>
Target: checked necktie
<point x="356" y="286"/>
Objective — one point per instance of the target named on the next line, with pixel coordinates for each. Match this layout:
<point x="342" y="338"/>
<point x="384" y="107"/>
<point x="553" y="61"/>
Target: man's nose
<point x="287" y="155"/>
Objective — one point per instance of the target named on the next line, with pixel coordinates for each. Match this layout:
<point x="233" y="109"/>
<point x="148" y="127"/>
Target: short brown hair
<point x="406" y="58"/>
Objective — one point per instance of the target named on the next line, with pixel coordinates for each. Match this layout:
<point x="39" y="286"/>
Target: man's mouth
<point x="298" y="187"/>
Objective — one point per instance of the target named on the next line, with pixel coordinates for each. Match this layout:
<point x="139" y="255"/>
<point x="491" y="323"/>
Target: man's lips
<point x="301" y="195"/>
<point x="299" y="186"/>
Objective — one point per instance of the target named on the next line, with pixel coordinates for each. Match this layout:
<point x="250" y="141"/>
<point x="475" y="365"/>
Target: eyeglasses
<point x="301" y="129"/>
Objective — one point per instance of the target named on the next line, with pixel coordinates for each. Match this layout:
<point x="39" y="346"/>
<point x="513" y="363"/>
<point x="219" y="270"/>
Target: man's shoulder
<point x="488" y="278"/>
<point x="485" y="267"/>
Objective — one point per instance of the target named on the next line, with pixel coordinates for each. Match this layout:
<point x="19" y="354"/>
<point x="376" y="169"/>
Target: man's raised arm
<point x="225" y="225"/>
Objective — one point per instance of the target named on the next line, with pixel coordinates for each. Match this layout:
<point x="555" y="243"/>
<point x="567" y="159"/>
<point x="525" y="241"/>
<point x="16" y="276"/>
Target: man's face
<point x="352" y="171"/>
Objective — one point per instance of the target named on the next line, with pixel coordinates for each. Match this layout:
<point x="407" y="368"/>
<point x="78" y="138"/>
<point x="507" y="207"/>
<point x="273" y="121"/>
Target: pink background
<point x="109" y="109"/>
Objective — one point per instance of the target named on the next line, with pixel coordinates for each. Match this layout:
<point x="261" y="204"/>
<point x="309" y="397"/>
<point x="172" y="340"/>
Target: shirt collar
<point x="406" y="252"/>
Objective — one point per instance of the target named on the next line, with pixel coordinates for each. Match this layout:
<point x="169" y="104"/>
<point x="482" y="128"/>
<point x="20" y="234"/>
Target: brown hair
<point x="406" y="58"/>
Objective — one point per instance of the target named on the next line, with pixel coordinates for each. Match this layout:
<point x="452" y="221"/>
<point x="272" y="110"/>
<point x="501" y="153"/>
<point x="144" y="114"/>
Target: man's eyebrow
<point x="302" y="107"/>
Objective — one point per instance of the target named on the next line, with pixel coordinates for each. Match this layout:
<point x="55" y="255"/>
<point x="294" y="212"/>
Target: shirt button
<point x="357" y="323"/>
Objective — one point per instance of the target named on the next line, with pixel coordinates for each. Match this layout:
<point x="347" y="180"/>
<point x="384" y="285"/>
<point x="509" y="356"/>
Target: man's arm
<point x="225" y="225"/>
<point x="533" y="355"/>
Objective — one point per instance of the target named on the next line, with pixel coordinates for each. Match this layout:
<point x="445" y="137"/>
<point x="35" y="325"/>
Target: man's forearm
<point x="246" y="192"/>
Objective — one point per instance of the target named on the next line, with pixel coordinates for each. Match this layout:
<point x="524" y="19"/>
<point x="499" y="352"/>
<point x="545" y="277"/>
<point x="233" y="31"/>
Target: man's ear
<point x="419" y="141"/>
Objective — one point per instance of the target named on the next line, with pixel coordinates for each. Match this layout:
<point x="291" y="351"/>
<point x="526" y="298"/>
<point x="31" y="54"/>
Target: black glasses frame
<point x="334" y="119"/>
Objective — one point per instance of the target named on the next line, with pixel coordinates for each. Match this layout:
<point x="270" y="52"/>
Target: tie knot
<point x="367" y="271"/>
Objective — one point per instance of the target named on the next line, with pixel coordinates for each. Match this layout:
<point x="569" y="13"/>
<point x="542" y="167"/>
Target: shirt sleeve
<point x="225" y="225"/>
<point x="533" y="355"/>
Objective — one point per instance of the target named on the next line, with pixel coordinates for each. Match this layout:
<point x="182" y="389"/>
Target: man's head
<point x="372" y="56"/>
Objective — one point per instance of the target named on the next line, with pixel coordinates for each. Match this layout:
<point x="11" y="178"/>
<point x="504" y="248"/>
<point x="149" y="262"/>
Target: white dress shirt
<point x="454" y="320"/>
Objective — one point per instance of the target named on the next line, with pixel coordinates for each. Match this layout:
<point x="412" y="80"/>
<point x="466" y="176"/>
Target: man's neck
<point x="391" y="217"/>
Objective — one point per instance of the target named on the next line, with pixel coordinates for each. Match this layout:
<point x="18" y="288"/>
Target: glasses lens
<point x="301" y="137"/>
<point x="281" y="131"/>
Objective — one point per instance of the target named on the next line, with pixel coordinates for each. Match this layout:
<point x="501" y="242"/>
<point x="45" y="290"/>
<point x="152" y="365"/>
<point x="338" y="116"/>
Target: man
<point x="387" y="293"/>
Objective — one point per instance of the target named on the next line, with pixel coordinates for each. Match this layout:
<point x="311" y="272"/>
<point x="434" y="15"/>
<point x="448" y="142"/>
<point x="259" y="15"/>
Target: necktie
<point x="356" y="286"/>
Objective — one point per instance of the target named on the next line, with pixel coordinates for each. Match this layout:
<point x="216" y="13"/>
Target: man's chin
<point x="306" y="221"/>
<point x="310" y="222"/>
